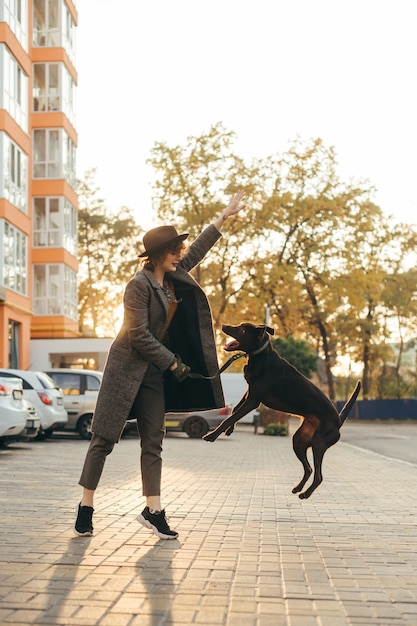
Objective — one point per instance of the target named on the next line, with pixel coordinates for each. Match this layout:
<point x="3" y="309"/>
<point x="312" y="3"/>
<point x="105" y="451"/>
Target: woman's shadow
<point x="64" y="576"/>
<point x="156" y="583"/>
<point x="151" y="592"/>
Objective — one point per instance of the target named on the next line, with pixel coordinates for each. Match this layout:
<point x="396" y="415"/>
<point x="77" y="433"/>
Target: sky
<point x="269" y="70"/>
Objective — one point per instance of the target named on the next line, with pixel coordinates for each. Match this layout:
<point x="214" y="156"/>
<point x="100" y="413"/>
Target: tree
<point x="312" y="218"/>
<point x="193" y="183"/>
<point x="399" y="297"/>
<point x="315" y="251"/>
<point x="298" y="353"/>
<point x="107" y="258"/>
<point x="375" y="293"/>
<point x="312" y="249"/>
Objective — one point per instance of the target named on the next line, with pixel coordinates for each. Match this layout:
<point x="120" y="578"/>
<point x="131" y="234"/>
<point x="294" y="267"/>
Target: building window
<point x="70" y="294"/>
<point x="54" y="290"/>
<point x="46" y="31"/>
<point x="46" y="156"/>
<point x="46" y="87"/>
<point x="15" y="329"/>
<point x="68" y="89"/>
<point x="68" y="159"/>
<point x="68" y="29"/>
<point x="55" y="224"/>
<point x="47" y="223"/>
<point x="53" y="26"/>
<point x="14" y="88"/>
<point x="53" y="89"/>
<point x="13" y="244"/>
<point x="53" y="154"/>
<point x="70" y="230"/>
<point x="15" y="14"/>
<point x="13" y="175"/>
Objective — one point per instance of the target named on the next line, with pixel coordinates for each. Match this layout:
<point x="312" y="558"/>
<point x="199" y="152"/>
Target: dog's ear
<point x="265" y="329"/>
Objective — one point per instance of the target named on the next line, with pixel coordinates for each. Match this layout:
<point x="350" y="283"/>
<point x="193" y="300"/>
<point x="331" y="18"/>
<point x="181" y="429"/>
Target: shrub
<point x="276" y="430"/>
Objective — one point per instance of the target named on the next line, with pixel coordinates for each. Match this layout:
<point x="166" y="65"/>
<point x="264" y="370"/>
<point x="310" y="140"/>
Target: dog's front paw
<point x="210" y="436"/>
<point x="304" y="495"/>
<point x="229" y="431"/>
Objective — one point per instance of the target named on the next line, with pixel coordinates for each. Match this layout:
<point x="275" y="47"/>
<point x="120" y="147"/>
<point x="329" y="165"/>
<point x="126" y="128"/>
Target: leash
<point x="224" y="367"/>
<point x="221" y="370"/>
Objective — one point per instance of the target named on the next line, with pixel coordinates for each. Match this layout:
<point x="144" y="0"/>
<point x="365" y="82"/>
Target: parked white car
<point x="33" y="422"/>
<point x="194" y="423"/>
<point x="40" y="390"/>
<point x="80" y="388"/>
<point x="13" y="412"/>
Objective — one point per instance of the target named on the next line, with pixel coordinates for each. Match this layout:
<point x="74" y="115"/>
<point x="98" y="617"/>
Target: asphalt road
<point x="397" y="440"/>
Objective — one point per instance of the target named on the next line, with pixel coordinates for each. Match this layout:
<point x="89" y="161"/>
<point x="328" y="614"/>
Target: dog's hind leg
<point x="319" y="447"/>
<point x="301" y="441"/>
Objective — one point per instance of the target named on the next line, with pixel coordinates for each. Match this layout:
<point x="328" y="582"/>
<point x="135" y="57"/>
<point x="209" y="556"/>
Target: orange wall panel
<point x="54" y="255"/>
<point x="14" y="216"/>
<point x="71" y="8"/>
<point x="18" y="311"/>
<point x="8" y="37"/>
<point x="44" y="187"/>
<point x="8" y="124"/>
<point x="53" y="326"/>
<point x="54" y="55"/>
<point x="54" y="120"/>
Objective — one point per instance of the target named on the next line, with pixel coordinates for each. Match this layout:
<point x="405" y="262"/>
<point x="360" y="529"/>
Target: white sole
<point x="153" y="528"/>
<point x="87" y="534"/>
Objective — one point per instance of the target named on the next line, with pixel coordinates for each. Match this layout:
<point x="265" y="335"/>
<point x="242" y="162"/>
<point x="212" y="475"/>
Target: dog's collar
<point x="261" y="349"/>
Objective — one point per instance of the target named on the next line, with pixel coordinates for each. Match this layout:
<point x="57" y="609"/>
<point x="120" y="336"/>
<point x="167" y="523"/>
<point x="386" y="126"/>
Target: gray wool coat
<point x="139" y="343"/>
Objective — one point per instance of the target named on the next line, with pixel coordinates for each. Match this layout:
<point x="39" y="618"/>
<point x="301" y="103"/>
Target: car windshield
<point x="45" y="380"/>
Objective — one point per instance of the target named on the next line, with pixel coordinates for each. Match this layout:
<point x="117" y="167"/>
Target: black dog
<point x="280" y="386"/>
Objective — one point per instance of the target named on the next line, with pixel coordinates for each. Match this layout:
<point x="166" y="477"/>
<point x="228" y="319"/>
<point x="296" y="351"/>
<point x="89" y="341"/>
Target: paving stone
<point x="249" y="553"/>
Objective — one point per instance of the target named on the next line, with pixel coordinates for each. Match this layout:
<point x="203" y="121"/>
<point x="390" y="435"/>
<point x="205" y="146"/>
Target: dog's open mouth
<point x="232" y="345"/>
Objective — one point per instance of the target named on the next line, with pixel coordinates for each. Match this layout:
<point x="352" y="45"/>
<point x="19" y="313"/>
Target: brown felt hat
<point x="160" y="237"/>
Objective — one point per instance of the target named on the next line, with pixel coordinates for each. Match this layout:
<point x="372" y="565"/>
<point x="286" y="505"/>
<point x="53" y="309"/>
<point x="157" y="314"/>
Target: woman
<point x="166" y="314"/>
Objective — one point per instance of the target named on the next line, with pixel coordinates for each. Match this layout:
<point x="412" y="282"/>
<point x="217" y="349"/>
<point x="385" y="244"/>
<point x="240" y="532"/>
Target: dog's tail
<point x="349" y="404"/>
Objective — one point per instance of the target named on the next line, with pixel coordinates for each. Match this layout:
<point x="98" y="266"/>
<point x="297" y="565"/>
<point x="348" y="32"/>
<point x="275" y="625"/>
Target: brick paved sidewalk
<point x="250" y="553"/>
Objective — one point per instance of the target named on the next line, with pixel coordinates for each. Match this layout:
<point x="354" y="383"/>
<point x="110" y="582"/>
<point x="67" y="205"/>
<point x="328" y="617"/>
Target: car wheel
<point x="196" y="427"/>
<point x="83" y="426"/>
<point x="44" y="434"/>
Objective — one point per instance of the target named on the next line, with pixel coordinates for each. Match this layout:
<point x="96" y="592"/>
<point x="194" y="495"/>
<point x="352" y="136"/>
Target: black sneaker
<point x="157" y="522"/>
<point x="83" y="526"/>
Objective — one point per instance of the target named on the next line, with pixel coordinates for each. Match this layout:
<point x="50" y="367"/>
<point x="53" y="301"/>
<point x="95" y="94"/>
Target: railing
<point x="383" y="409"/>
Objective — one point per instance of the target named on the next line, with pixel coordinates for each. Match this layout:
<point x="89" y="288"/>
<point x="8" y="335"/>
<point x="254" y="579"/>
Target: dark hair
<point x="148" y="262"/>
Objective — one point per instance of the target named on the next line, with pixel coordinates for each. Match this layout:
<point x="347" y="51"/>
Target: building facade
<point x="38" y="201"/>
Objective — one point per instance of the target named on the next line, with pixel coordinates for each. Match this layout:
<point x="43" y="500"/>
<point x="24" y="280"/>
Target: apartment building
<point x="38" y="202"/>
